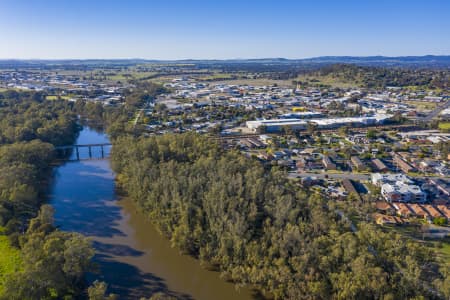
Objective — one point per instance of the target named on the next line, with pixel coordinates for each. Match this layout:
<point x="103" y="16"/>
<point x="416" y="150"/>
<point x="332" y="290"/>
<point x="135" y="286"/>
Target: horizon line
<point x="225" y="59"/>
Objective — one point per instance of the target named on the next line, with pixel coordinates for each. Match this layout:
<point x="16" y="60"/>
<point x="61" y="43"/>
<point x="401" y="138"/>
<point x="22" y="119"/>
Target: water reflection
<point x="132" y="257"/>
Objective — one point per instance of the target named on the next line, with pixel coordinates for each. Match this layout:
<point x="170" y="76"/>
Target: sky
<point x="222" y="29"/>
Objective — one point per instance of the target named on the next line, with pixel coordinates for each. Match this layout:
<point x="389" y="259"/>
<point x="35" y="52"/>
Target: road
<point x="436" y="111"/>
<point x="137" y="118"/>
<point x="346" y="175"/>
<point x="434" y="231"/>
<point x="140" y="112"/>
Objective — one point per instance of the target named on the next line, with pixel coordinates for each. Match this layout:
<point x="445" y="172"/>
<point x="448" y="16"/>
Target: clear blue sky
<point x="178" y="29"/>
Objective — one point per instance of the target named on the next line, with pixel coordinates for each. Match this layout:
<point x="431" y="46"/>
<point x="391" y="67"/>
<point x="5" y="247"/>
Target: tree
<point x="371" y="134"/>
<point x="343" y="131"/>
<point x="440" y="221"/>
<point x="54" y="262"/>
<point x="261" y="129"/>
<point x="97" y="291"/>
<point x="259" y="228"/>
<point x="311" y="128"/>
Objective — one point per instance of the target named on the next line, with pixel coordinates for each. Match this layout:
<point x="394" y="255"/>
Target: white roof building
<point x="398" y="188"/>
<point x="401" y="192"/>
<point x="380" y="179"/>
<point x="274" y="125"/>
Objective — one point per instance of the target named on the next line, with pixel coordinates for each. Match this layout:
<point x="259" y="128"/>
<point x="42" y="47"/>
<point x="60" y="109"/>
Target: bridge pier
<point x="78" y="152"/>
<point x="64" y="151"/>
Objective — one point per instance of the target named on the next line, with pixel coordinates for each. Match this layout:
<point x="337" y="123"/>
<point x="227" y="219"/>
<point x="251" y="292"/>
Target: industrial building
<point x="277" y="125"/>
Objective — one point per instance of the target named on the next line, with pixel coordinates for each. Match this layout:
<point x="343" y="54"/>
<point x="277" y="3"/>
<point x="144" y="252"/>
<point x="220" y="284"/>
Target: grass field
<point x="130" y="76"/>
<point x="217" y="76"/>
<point x="327" y="81"/>
<point x="441" y="246"/>
<point x="256" y="82"/>
<point x="10" y="260"/>
<point x="445" y="126"/>
<point x="422" y="105"/>
<point x="54" y="97"/>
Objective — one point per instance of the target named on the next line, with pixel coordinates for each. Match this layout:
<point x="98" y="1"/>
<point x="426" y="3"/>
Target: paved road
<point x="346" y="175"/>
<point x="137" y="117"/>
<point x="434" y="231"/>
<point x="436" y="111"/>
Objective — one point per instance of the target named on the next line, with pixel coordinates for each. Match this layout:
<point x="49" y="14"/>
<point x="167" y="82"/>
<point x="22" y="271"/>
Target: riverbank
<point x="132" y="257"/>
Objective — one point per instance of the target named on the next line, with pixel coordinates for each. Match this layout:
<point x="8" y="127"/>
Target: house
<point x="310" y="181"/>
<point x="301" y="164"/>
<point x="350" y="188"/>
<point x="359" y="165"/>
<point x="265" y="156"/>
<point x="384" y="207"/>
<point x="402" y="164"/>
<point x="419" y="211"/>
<point x="432" y="211"/>
<point x="257" y="143"/>
<point x="402" y="209"/>
<point x="441" y="185"/>
<point x="381" y="219"/>
<point x="328" y="164"/>
<point x="251" y="143"/>
<point x="444" y="209"/>
<point x="428" y="165"/>
<point x="379" y="165"/>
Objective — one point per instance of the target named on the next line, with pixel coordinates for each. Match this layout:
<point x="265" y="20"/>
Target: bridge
<point x="66" y="150"/>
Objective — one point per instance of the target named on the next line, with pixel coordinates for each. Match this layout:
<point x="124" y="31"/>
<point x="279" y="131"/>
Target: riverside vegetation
<point x="258" y="228"/>
<point x="232" y="213"/>
<point x="38" y="260"/>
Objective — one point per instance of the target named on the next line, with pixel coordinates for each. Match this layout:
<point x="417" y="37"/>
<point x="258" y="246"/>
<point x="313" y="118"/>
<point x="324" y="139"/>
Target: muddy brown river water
<point x="132" y="257"/>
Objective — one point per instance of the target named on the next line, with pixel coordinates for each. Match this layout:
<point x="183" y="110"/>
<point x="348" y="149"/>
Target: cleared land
<point x="10" y="260"/>
<point x="423" y="105"/>
<point x="328" y="80"/>
<point x="55" y="97"/>
<point x="445" y="126"/>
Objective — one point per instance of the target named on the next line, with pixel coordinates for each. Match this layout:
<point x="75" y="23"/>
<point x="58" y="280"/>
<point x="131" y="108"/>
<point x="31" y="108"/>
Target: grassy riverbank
<point x="10" y="260"/>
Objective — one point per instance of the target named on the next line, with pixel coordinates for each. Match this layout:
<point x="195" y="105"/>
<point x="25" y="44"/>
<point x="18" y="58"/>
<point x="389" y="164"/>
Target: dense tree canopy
<point x="381" y="77"/>
<point x="258" y="228"/>
<point x="29" y="129"/>
<point x="27" y="116"/>
<point x="52" y="262"/>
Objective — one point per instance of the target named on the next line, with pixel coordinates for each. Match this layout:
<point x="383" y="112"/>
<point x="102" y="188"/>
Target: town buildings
<point x="398" y="188"/>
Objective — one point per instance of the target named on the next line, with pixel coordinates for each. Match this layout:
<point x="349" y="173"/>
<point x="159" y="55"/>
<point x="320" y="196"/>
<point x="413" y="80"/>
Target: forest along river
<point x="133" y="258"/>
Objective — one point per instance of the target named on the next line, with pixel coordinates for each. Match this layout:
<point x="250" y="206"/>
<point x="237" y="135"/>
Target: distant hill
<point x="385" y="61"/>
<point x="427" y="60"/>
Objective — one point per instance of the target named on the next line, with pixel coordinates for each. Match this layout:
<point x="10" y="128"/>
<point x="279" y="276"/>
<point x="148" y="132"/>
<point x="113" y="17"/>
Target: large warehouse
<point x="276" y="125"/>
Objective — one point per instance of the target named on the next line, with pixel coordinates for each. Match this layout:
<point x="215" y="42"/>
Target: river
<point x="132" y="257"/>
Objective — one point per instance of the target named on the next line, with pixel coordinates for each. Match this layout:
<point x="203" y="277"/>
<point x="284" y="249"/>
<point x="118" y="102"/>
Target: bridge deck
<point x="82" y="145"/>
